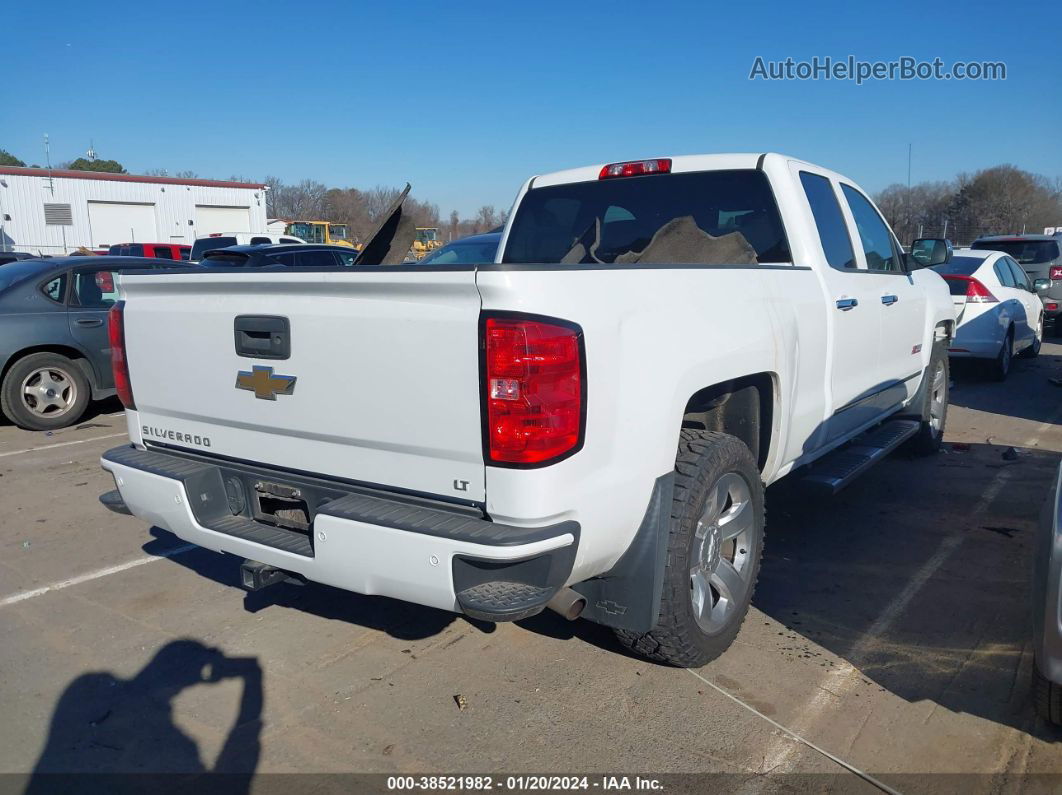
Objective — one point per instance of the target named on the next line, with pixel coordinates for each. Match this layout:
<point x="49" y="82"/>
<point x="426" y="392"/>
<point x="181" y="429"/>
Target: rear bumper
<point x="359" y="540"/>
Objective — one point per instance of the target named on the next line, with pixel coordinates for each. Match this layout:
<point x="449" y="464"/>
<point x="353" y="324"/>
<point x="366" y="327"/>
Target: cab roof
<point x="679" y="164"/>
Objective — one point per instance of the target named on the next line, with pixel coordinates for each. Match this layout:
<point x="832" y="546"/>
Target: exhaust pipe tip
<point x="567" y="603"/>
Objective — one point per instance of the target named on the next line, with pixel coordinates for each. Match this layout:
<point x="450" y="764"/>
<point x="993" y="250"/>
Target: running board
<point x="834" y="471"/>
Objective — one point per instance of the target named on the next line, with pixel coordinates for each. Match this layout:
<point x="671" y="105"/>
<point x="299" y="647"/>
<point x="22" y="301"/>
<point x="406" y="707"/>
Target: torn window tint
<point x="705" y="217"/>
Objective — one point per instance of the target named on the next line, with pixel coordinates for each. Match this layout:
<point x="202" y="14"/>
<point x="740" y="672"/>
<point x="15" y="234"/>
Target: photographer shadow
<point x="122" y="733"/>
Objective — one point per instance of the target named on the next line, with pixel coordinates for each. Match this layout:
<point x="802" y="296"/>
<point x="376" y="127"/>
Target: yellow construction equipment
<point x="321" y="232"/>
<point x="427" y="240"/>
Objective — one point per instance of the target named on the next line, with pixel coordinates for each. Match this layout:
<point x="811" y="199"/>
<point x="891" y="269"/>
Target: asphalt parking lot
<point x="889" y="637"/>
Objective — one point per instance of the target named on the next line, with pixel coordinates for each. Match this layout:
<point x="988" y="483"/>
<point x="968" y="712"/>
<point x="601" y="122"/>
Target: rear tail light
<point x="119" y="360"/>
<point x="635" y="168"/>
<point x="976" y="293"/>
<point x="1056" y="272"/>
<point x="534" y="390"/>
<point x="1051" y="307"/>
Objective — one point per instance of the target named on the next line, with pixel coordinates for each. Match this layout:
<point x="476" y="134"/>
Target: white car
<point x="226" y="239"/>
<point x="586" y="424"/>
<point x="997" y="309"/>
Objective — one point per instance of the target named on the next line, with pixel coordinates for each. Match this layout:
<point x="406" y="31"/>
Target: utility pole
<point x="48" y="161"/>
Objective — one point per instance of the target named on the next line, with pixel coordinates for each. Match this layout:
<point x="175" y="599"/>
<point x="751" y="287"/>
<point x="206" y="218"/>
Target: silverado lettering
<point x="175" y="436"/>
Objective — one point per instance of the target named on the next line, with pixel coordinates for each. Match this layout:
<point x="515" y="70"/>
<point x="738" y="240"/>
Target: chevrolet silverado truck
<point x="587" y="423"/>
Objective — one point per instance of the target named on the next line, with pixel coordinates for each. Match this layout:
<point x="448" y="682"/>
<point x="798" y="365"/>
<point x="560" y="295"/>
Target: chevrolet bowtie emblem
<point x="264" y="384"/>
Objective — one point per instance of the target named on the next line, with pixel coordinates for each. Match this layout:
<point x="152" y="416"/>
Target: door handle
<point x="889" y="300"/>
<point x="89" y="322"/>
<point x="844" y="304"/>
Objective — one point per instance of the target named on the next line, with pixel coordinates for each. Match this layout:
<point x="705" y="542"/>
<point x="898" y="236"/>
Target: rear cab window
<point x="704" y="217"/>
<point x="833" y="233"/>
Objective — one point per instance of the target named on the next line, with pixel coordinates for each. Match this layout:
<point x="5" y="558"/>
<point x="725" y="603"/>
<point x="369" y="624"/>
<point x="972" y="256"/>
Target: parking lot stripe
<point x="92" y="575"/>
<point x="797" y="737"/>
<point x="62" y="444"/>
<point x="843" y="678"/>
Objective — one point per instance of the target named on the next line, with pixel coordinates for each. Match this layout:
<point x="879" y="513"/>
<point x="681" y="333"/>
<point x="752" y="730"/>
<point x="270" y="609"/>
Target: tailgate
<point x="385" y="366"/>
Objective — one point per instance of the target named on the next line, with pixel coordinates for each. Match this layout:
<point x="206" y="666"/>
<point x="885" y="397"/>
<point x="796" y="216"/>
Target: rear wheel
<point x="999" y="369"/>
<point x="713" y="556"/>
<point x="44" y="391"/>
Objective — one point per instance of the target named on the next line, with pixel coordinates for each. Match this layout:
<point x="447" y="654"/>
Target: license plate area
<point x="281" y="505"/>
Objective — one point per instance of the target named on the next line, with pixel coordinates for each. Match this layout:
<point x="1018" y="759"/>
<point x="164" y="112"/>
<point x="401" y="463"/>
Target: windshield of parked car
<point x="1026" y="252"/>
<point x="209" y="244"/>
<point x="706" y="217"/>
<point x="463" y="253"/>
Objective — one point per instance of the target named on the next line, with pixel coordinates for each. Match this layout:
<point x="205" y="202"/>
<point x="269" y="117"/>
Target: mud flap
<point x="628" y="596"/>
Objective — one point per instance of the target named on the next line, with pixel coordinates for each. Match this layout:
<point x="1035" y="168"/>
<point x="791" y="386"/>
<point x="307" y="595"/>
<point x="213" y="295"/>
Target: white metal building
<point x="55" y="212"/>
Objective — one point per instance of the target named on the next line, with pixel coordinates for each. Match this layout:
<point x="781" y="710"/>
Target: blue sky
<point x="467" y="99"/>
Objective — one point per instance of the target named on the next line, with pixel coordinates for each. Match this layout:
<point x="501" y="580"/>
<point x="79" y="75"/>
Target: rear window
<point x="1026" y="252"/>
<point x="209" y="243"/>
<point x="709" y="217"/>
<point x="163" y="252"/>
<point x="126" y="250"/>
<point x="225" y="259"/>
<point x="959" y="266"/>
<point x="305" y="259"/>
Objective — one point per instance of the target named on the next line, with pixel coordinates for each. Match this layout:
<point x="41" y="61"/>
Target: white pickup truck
<point x="587" y="423"/>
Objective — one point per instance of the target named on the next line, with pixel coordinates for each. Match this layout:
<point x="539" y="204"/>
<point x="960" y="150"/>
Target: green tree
<point x="8" y="159"/>
<point x="111" y="166"/>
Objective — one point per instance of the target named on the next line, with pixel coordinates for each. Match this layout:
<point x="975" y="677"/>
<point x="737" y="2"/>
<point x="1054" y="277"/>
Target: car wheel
<point x="1034" y="350"/>
<point x="713" y="557"/>
<point x="934" y="406"/>
<point x="44" y="391"/>
<point x="1000" y="367"/>
<point x="1047" y="697"/>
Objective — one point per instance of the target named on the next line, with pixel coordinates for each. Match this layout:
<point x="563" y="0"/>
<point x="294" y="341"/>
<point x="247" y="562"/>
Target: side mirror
<point x="1042" y="284"/>
<point x="929" y="251"/>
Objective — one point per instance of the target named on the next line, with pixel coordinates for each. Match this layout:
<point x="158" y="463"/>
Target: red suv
<point x="158" y="250"/>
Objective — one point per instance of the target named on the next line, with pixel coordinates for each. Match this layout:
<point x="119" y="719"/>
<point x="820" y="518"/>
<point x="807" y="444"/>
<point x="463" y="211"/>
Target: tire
<point x="1034" y="350"/>
<point x="999" y="369"/>
<point x="1047" y="698"/>
<point x="934" y="412"/>
<point x="62" y="405"/>
<point x="701" y="612"/>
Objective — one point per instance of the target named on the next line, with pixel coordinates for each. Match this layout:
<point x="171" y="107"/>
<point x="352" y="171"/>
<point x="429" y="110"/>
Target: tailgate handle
<point x="262" y="336"/>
